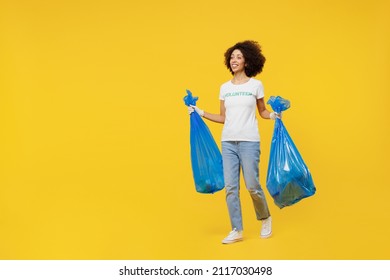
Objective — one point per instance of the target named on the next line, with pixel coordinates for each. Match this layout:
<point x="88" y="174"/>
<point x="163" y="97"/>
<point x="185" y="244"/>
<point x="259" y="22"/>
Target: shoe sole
<point x="266" y="236"/>
<point x="232" y="241"/>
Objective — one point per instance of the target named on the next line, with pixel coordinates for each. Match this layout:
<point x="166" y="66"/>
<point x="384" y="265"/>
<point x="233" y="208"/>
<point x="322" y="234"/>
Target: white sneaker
<point x="266" y="228"/>
<point x="234" y="236"/>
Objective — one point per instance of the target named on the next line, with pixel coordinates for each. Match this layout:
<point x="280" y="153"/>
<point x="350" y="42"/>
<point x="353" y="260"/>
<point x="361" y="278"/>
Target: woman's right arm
<point x="218" y="118"/>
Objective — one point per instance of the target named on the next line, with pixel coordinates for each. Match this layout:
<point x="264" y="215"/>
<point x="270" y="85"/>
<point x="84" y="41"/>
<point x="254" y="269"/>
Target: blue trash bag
<point x="288" y="178"/>
<point x="206" y="159"/>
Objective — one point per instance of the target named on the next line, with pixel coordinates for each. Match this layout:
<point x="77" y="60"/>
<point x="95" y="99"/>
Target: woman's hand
<point x="193" y="108"/>
<point x="274" y="116"/>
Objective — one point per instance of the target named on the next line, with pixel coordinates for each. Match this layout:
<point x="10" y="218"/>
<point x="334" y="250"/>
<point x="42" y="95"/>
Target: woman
<point x="239" y="98"/>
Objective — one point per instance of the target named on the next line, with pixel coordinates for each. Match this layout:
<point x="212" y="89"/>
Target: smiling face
<point x="237" y="61"/>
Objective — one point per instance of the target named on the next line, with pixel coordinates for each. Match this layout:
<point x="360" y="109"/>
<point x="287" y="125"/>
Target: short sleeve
<point x="260" y="91"/>
<point x="221" y="93"/>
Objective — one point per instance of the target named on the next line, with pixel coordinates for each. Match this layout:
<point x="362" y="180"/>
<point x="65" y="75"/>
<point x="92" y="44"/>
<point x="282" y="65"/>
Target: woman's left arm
<point x="264" y="113"/>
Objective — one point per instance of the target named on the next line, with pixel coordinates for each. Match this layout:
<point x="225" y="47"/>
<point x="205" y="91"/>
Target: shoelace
<point x="233" y="232"/>
<point x="266" y="225"/>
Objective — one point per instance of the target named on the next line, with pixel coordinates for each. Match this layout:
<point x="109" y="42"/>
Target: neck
<point x="240" y="78"/>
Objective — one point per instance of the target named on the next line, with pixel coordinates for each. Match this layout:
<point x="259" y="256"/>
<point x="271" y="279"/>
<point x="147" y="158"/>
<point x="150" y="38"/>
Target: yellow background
<point x="94" y="135"/>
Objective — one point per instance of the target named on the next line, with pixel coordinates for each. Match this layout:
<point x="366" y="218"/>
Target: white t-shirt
<point x="240" y="116"/>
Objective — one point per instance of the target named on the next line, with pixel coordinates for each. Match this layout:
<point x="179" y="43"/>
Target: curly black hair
<point x="254" y="59"/>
